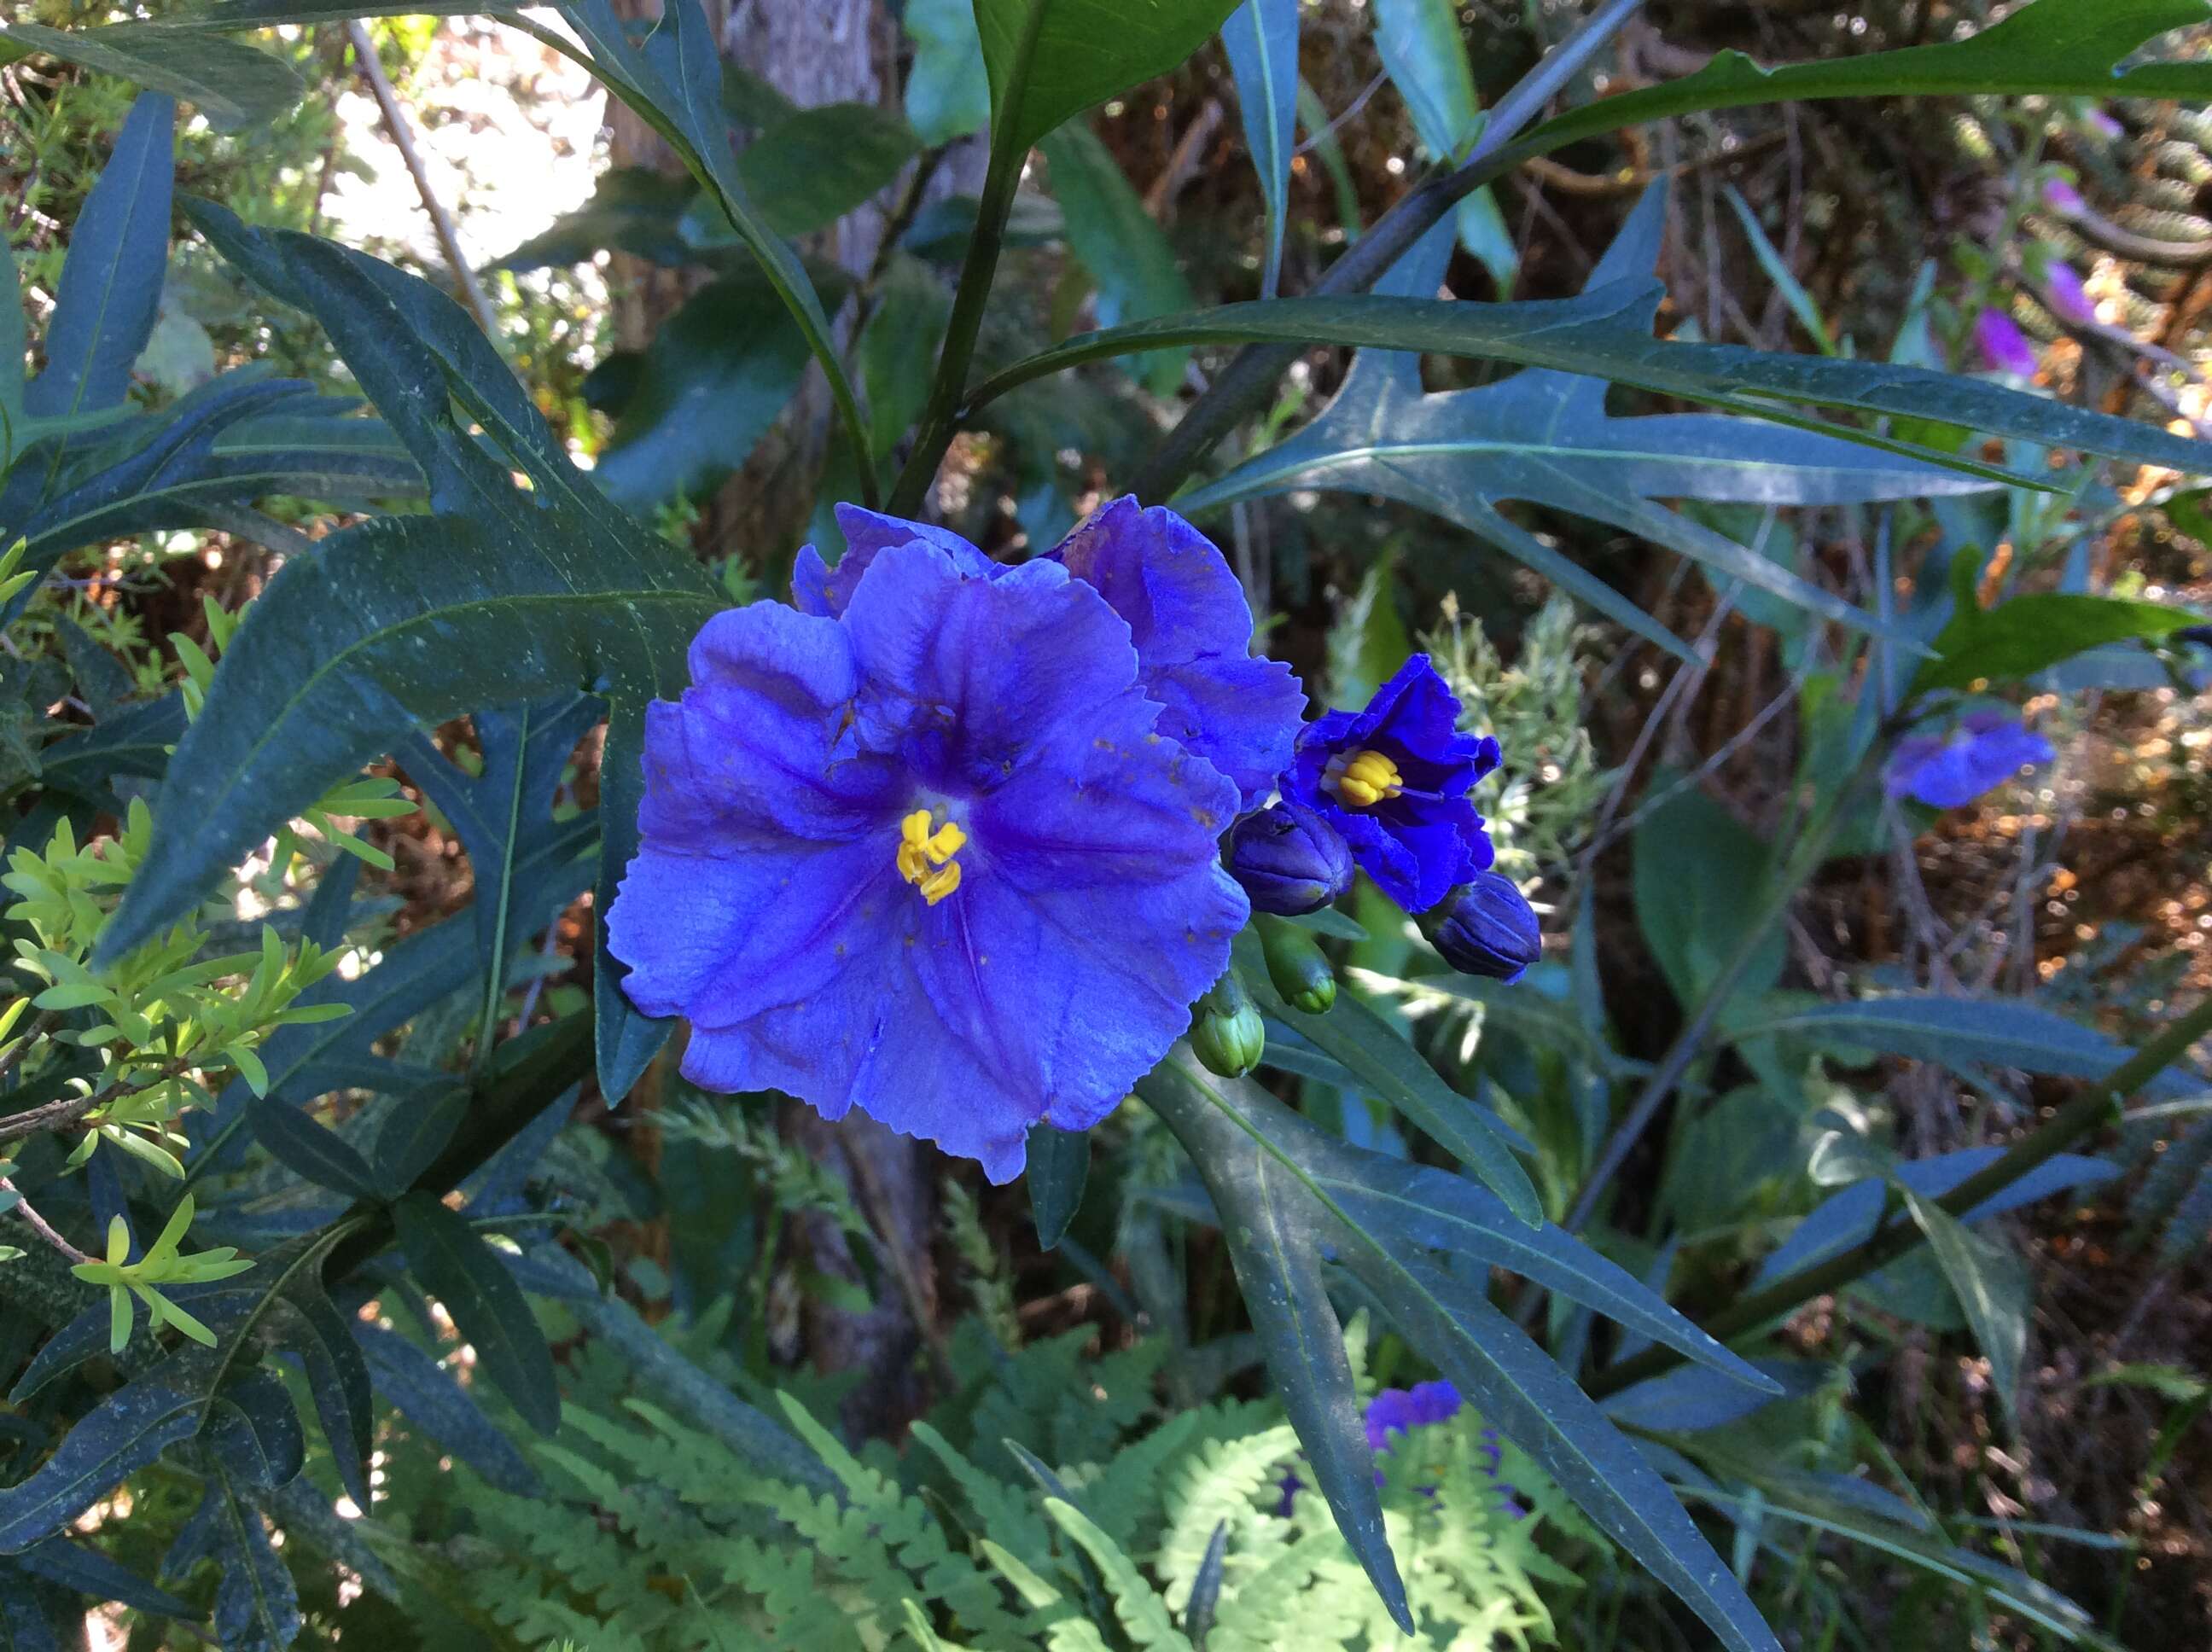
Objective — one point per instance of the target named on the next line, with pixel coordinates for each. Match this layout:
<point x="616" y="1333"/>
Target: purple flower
<point x="1394" y="781"/>
<point x="928" y="858"/>
<point x="2002" y="344"/>
<point x="1183" y="607"/>
<point x="1396" y="1411"/>
<point x="1945" y="771"/>
<point x="2063" y="291"/>
<point x="2061" y="197"/>
<point x="2104" y="125"/>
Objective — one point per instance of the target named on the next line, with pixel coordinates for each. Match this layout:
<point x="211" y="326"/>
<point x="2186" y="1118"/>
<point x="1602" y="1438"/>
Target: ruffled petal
<point x="721" y="939"/>
<point x="1193" y="631"/>
<point x="759" y="749"/>
<point x="817" y="589"/>
<point x="971" y="675"/>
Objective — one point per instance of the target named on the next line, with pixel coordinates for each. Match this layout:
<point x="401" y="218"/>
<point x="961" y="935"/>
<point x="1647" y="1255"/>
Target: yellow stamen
<point x="1363" y="779"/>
<point x="925" y="857"/>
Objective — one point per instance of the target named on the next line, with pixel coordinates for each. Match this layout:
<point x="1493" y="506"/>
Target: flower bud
<point x="1490" y="929"/>
<point x="1226" y="1033"/>
<point x="1289" y="859"/>
<point x="1297" y="966"/>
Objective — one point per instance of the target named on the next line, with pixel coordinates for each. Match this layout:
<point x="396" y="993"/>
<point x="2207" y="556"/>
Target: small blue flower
<point x="1185" y="611"/>
<point x="1490" y="929"/>
<point x="927" y="858"/>
<point x="1290" y="860"/>
<point x="1396" y="1411"/>
<point x="1945" y="771"/>
<point x="1394" y="781"/>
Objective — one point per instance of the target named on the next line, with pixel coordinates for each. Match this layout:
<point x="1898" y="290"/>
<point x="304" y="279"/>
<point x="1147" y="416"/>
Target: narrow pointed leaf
<point x="1274" y="1229"/>
<point x="227" y="81"/>
<point x="1050" y="59"/>
<point x="1992" y="1284"/>
<point x="308" y="1149"/>
<point x="1363" y="1042"/>
<point x="488" y="1306"/>
<point x="1059" y="1164"/>
<point x="1261" y="39"/>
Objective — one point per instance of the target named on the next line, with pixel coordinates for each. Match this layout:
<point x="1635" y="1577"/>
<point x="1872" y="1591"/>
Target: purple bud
<point x="2103" y="124"/>
<point x="2061" y="197"/>
<point x="1490" y="929"/>
<point x="1289" y="859"/>
<point x="2002" y="344"/>
<point x="2063" y="291"/>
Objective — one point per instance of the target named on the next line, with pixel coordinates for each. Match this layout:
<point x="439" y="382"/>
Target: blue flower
<point x="1395" y="1410"/>
<point x="927" y="858"/>
<point x="1944" y="771"/>
<point x="1394" y="781"/>
<point x="1185" y="611"/>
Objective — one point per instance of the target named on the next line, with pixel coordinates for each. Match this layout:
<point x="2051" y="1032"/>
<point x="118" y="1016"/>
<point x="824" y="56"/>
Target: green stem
<point x="2093" y="1107"/>
<point x="941" y="413"/>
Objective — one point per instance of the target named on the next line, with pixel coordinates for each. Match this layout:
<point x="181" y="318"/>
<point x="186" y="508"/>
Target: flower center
<point x="925" y="857"/>
<point x="1362" y="778"/>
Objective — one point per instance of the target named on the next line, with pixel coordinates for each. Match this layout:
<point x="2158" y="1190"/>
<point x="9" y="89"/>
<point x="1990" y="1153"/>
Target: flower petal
<point x="972" y="674"/>
<point x="1193" y="630"/>
<point x="819" y="589"/>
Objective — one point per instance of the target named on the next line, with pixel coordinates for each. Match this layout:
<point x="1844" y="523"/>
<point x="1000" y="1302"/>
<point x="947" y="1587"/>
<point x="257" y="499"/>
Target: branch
<point x="402" y="138"/>
<point x="40" y="1226"/>
<point x="2093" y="1107"/>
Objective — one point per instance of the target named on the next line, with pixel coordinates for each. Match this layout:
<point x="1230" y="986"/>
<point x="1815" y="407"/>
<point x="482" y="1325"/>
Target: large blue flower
<point x="928" y="858"/>
<point x="1184" y="609"/>
<point x="1946" y="771"/>
<point x="1394" y="780"/>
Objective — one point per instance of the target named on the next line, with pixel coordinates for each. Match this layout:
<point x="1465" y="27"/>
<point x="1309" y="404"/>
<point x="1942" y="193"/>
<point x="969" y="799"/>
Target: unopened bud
<point x="1289" y="859"/>
<point x="1297" y="965"/>
<point x="1490" y="929"/>
<point x="1226" y="1033"/>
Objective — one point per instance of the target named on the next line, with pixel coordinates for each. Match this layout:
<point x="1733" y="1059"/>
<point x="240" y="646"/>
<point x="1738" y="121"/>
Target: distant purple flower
<point x="928" y="858"/>
<point x="2002" y="344"/>
<point x="2063" y="291"/>
<point x="2103" y="124"/>
<point x="1185" y="611"/>
<point x="1394" y="780"/>
<point x="1395" y="1412"/>
<point x="2061" y="197"/>
<point x="1948" y="770"/>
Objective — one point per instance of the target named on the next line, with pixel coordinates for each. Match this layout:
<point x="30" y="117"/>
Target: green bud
<point x="1297" y="965"/>
<point x="1225" y="1029"/>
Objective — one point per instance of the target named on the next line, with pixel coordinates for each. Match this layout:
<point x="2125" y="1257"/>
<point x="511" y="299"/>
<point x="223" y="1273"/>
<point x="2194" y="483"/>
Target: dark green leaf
<point x="1059" y="1164"/>
<point x="256" y="1606"/>
<point x="1990" y="1281"/>
<point x="899" y="346"/>
<point x="812" y="167"/>
<point x="714" y="379"/>
<point x="2025" y="634"/>
<point x="1261" y="39"/>
<point x="307" y="1321"/>
<point x="1699" y="873"/>
<point x="2052" y="47"/>
<point x="1276" y="1232"/>
<point x="308" y="1149"/>
<point x="488" y="1306"/>
<point x="1117" y="241"/>
<point x="229" y="82"/>
<point x="86" y="1570"/>
<point x="414" y="1130"/>
<point x="1370" y="1048"/>
<point x="428" y="1397"/>
<point x="1051" y="59"/>
<point x="411" y="618"/>
<point x="111" y="281"/>
<point x="625" y="1041"/>
<point x="124" y="1432"/>
<point x="1603" y="334"/>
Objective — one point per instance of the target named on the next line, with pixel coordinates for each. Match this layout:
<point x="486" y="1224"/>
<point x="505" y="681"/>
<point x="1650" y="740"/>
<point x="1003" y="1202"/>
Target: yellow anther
<point x="1363" y="779"/>
<point x="924" y="857"/>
